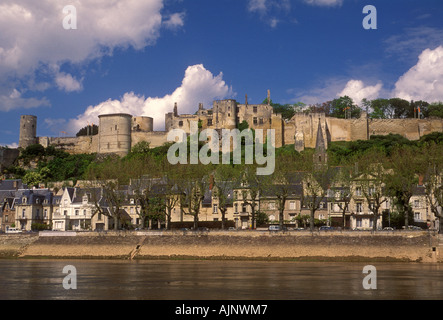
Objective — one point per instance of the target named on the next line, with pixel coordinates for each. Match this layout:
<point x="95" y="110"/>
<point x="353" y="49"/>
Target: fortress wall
<point x="359" y="129"/>
<point x="155" y="138"/>
<point x="289" y="132"/>
<point x="308" y="125"/>
<point x="411" y="129"/>
<point x="340" y="129"/>
<point x="73" y="145"/>
<point x="277" y="125"/>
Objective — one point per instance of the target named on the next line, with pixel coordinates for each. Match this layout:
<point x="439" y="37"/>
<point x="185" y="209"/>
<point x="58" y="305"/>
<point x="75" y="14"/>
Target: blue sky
<point x="141" y="56"/>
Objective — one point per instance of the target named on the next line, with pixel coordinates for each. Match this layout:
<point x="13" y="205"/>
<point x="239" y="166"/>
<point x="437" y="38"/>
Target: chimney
<point x="200" y="106"/>
<point x="175" y="110"/>
<point x="269" y="97"/>
<point x="246" y="99"/>
<point x="420" y="180"/>
<point x="211" y="182"/>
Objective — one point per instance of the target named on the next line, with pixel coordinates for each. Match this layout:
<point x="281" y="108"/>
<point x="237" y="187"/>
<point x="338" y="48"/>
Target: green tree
<point x="262" y="218"/>
<point x="403" y="180"/>
<point x="316" y="181"/>
<point x="224" y="180"/>
<point x="90" y="130"/>
<point x="193" y="184"/>
<point x="142" y="147"/>
<point x="431" y="169"/>
<point x="435" y="110"/>
<point x="243" y="125"/>
<point x="342" y="189"/>
<point x="281" y="182"/>
<point x="344" y="107"/>
<point x="381" y="109"/>
<point x="32" y="178"/>
<point x="371" y="179"/>
<point x="418" y="109"/>
<point x="251" y="187"/>
<point x="401" y="108"/>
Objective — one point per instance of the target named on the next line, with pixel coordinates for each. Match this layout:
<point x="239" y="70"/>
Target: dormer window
<point x="85" y="199"/>
<point x="24" y="200"/>
<point x="131" y="201"/>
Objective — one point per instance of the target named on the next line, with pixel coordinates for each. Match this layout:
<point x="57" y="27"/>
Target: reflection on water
<point x="217" y="280"/>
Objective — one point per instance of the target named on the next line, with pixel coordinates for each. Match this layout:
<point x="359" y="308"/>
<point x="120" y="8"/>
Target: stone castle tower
<point x="28" y="131"/>
<point x="115" y="133"/>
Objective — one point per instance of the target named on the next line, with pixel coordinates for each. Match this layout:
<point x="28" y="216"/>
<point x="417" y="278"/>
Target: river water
<point x="216" y="280"/>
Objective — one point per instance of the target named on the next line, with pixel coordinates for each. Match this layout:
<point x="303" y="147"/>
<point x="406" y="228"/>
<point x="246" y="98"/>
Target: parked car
<point x="13" y="230"/>
<point x="388" y="229"/>
<point x="326" y="228"/>
<point x="274" y="228"/>
<point x="232" y="229"/>
<point x="202" y="229"/>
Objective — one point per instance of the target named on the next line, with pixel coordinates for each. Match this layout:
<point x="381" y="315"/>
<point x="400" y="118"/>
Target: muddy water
<point x="216" y="280"/>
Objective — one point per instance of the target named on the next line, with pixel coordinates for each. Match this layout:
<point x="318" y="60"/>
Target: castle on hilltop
<point x="119" y="132"/>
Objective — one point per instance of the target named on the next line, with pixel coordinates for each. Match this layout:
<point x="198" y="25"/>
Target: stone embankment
<point x="242" y="245"/>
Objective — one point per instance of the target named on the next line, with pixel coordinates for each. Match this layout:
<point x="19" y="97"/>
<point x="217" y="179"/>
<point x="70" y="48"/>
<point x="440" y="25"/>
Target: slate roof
<point x="32" y="195"/>
<point x="13" y="184"/>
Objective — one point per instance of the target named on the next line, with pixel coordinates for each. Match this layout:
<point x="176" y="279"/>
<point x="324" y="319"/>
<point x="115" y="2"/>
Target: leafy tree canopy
<point x="88" y="131"/>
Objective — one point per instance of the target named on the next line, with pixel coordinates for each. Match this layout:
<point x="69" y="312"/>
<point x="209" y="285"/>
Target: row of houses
<point x="77" y="208"/>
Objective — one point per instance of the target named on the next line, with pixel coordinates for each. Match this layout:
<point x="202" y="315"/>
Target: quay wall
<point x="299" y="246"/>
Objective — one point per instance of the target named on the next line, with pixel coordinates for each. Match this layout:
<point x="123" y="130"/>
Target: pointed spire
<point x="320" y="155"/>
<point x="320" y="145"/>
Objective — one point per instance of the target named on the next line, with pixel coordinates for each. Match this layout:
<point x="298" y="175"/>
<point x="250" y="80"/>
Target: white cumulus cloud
<point x="328" y="3"/>
<point x="199" y="85"/>
<point x="257" y="5"/>
<point x="33" y="39"/>
<point x="272" y="12"/>
<point x="175" y="20"/>
<point x="67" y="82"/>
<point x="357" y="90"/>
<point x="424" y="81"/>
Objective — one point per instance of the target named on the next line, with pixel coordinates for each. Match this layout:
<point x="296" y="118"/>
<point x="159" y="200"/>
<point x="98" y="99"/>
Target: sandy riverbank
<point x="239" y="246"/>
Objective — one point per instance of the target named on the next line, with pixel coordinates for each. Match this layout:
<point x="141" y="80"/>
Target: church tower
<point x="320" y="154"/>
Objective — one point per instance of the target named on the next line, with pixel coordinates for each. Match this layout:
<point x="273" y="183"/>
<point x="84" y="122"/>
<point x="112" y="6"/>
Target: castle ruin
<point x="119" y="132"/>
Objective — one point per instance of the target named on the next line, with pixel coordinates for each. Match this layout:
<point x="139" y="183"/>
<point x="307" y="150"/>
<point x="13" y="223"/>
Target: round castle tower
<point x="142" y="123"/>
<point x="114" y="135"/>
<point x="28" y="131"/>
